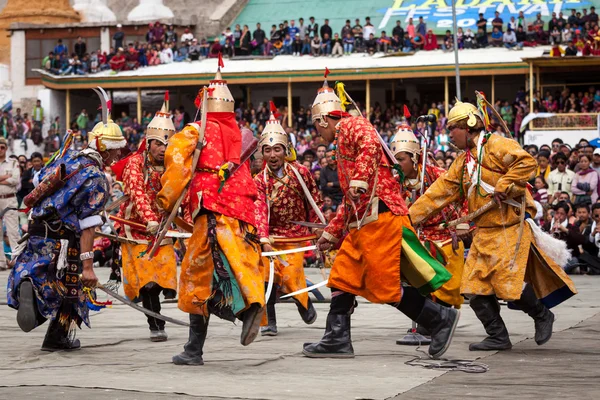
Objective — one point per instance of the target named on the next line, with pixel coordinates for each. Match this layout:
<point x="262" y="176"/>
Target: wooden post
<point x="248" y="99"/>
<point x="139" y="105"/>
<point x="530" y="87"/>
<point x="289" y="103"/>
<point x="368" y="98"/>
<point x="394" y="93"/>
<point x="68" y="109"/>
<point x="446" y="96"/>
<point x="493" y="89"/>
<point x="537" y="80"/>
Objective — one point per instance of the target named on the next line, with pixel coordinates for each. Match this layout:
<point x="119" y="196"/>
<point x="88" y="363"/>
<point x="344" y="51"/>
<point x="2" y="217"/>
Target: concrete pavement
<point x="118" y="361"/>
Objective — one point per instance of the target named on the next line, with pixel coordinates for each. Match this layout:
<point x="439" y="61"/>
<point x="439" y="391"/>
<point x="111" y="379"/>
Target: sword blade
<point x="310" y="224"/>
<point x="290" y="251"/>
<point x="141" y="309"/>
<point x="307" y="289"/>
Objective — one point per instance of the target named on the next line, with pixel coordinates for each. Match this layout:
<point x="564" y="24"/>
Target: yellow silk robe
<point x="497" y="264"/>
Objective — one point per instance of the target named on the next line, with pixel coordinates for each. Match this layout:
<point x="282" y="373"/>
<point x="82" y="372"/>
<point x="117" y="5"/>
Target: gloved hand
<point x="152" y="227"/>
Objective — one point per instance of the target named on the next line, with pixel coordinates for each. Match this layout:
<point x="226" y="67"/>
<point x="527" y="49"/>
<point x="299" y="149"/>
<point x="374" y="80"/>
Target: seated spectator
<point x="267" y="47"/>
<point x="228" y="47"/>
<point x="215" y="49"/>
<point x="94" y="64"/>
<point x="418" y="41"/>
<point x="396" y="43"/>
<point x="337" y="48"/>
<point x="118" y="62"/>
<point x="407" y="45"/>
<point x="560" y="228"/>
<point x="448" y="41"/>
<point x="590" y="256"/>
<point x="555" y="36"/>
<point x="566" y="34"/>
<point x="204" y="48"/>
<point x="153" y="57"/>
<point x="306" y="45"/>
<point x="521" y="37"/>
<point x="326" y="45"/>
<point x="348" y="43"/>
<point x="166" y="55"/>
<point x="315" y="46"/>
<point x="297" y="45"/>
<point x="482" y="39"/>
<point x="187" y="36"/>
<point x="541" y="190"/>
<point x="571" y="50"/>
<point x="509" y="39"/>
<point x="556" y="51"/>
<point x="371" y="44"/>
<point x="469" y="39"/>
<point x="585" y="183"/>
<point x="132" y="58"/>
<point x="541" y="37"/>
<point x="182" y="53"/>
<point x="496" y="37"/>
<point x="383" y="42"/>
<point x="460" y="38"/>
<point x="430" y="41"/>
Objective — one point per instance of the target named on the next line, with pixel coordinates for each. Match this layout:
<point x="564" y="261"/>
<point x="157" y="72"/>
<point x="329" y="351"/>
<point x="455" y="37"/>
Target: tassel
<point x="221" y="65"/>
<point x="326" y="72"/>
<point x="61" y="263"/>
<point x="274" y="110"/>
<point x="198" y="100"/>
<point x="92" y="303"/>
<point x="340" y="90"/>
<point x="481" y="104"/>
<point x="406" y="113"/>
<point x="167" y="100"/>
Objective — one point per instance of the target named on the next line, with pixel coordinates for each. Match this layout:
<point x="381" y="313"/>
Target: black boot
<point x="57" y="337"/>
<point x="487" y="310"/>
<point x="251" y="323"/>
<point x="309" y="315"/>
<point x="543" y="317"/>
<point x="438" y="320"/>
<point x="336" y="342"/>
<point x="271" y="328"/>
<point x="192" y="350"/>
<point x="27" y="312"/>
<point x="151" y="301"/>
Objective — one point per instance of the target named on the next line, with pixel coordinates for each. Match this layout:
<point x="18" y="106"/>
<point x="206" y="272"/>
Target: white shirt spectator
<point x="166" y="56"/>
<point x="367" y="30"/>
<point x="566" y="35"/>
<point x="187" y="36"/>
<point x="509" y="37"/>
<point x="560" y="182"/>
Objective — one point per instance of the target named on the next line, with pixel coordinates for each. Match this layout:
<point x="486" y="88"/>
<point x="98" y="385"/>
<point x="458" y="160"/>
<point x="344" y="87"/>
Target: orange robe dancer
<point x="508" y="250"/>
<point x="380" y="245"/>
<point x="141" y="173"/>
<point x="283" y="198"/>
<point x="221" y="272"/>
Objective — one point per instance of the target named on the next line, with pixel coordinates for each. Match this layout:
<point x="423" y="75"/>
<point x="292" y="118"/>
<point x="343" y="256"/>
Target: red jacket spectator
<point x="118" y="62"/>
<point x="430" y="41"/>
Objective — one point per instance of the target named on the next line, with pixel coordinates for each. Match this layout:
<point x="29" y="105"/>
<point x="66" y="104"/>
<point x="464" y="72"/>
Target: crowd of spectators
<point x="576" y="35"/>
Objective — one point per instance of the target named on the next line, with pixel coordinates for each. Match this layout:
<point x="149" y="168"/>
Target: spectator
<point x="215" y="49"/>
<point x="407" y="45"/>
<point x="37" y="162"/>
<point x="10" y="177"/>
<point x="228" y="47"/>
<point x="316" y="46"/>
<point x="37" y="115"/>
<point x="496" y="37"/>
<point x="166" y="54"/>
<point x="396" y="43"/>
<point x="573" y="20"/>
<point x="329" y="182"/>
<point x="313" y="27"/>
<point x="541" y="190"/>
<point x="421" y="27"/>
<point x="337" y="46"/>
<point x="448" y="43"/>
<point x="326" y="45"/>
<point x="194" y="51"/>
<point x="509" y="39"/>
<point x="302" y="29"/>
<point x="460" y="38"/>
<point x="186" y="37"/>
<point x="368" y="29"/>
<point x="158" y="33"/>
<point x="383" y="43"/>
<point x="596" y="161"/>
<point x="410" y="28"/>
<point x="357" y="32"/>
<point x="497" y="22"/>
<point x="245" y="39"/>
<point x="543" y="159"/>
<point x="469" y="39"/>
<point x="585" y="183"/>
<point x="171" y="35"/>
<point x="326" y="30"/>
<point x="371" y="44"/>
<point x="259" y="38"/>
<point x="555" y="36"/>
<point x="119" y="37"/>
<point x="593" y="17"/>
<point x="512" y="24"/>
<point x="306" y="45"/>
<point x="293" y="29"/>
<point x="430" y="41"/>
<point x="482" y="24"/>
<point x="521" y="37"/>
<point x="560" y="228"/>
<point x="482" y="39"/>
<point x="80" y="48"/>
<point x="60" y="48"/>
<point x="521" y="21"/>
<point x="398" y="30"/>
<point x="348" y="43"/>
<point x="538" y="21"/>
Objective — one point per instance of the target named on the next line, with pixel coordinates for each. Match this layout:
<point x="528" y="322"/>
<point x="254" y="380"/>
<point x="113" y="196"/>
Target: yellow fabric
<point x="368" y="262"/>
<point x="197" y="269"/>
<point x="450" y="291"/>
<point x="139" y="271"/>
<point x="489" y="269"/>
<point x="290" y="278"/>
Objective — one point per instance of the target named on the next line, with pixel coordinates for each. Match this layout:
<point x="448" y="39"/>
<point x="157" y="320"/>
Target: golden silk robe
<point x="503" y="254"/>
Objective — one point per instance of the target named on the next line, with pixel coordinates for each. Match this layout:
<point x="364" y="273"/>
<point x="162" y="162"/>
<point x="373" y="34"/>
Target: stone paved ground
<point x="119" y="362"/>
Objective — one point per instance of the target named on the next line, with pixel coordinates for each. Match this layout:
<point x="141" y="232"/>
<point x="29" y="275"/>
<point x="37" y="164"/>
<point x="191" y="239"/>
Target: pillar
<point x="446" y="96"/>
<point x="68" y="109"/>
<point x="248" y="98"/>
<point x="538" y="82"/>
<point x="394" y="93"/>
<point x="493" y="98"/>
<point x="530" y="87"/>
<point x="139" y="105"/>
<point x="105" y="39"/>
<point x="289" y="104"/>
<point x="368" y="98"/>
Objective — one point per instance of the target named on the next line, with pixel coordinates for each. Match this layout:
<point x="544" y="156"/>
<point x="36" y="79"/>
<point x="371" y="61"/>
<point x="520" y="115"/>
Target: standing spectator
<point x="245" y="39"/>
<point x="82" y="121"/>
<point x="585" y="183"/>
<point x="150" y="33"/>
<point x="313" y="27"/>
<point x="326" y="30"/>
<point x="509" y="39"/>
<point x="596" y="161"/>
<point x="555" y="36"/>
<point x="482" y="24"/>
<point x="398" y="30"/>
<point x="346" y="29"/>
<point x="538" y="21"/>
<point x="573" y="20"/>
<point x="368" y="29"/>
<point x="421" y="27"/>
<point x="496" y="37"/>
<point x="293" y="29"/>
<point x="497" y="22"/>
<point x="357" y="31"/>
<point x="158" y="33"/>
<point x="593" y="17"/>
<point x="553" y="23"/>
<point x="302" y="29"/>
<point x="27" y="176"/>
<point x="171" y="35"/>
<point x="7" y="125"/>
<point x="80" y="48"/>
<point x="329" y="180"/>
<point x="326" y="44"/>
<point x="512" y="24"/>
<point x="119" y="37"/>
<point x="187" y="36"/>
<point x="259" y="37"/>
<point x="410" y="28"/>
<point x="521" y="21"/>
<point x="60" y="48"/>
<point x="337" y="47"/>
<point x="10" y="177"/>
<point x="38" y="114"/>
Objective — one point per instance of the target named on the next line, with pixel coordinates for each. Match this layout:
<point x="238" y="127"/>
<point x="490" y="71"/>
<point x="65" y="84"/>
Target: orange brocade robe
<point x="141" y="182"/>
<point x="281" y="200"/>
<point x="498" y="263"/>
<point x="232" y="208"/>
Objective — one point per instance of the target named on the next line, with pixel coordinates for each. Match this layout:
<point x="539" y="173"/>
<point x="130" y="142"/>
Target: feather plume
<point x="555" y="249"/>
<point x="326" y="72"/>
<point x="406" y="113"/>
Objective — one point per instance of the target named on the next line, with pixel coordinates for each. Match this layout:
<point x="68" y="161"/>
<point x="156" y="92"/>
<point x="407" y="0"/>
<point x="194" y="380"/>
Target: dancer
<point x="510" y="257"/>
<point x="287" y="192"/>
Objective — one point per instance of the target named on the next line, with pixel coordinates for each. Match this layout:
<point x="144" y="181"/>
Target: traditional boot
<point x="487" y="309"/>
<point x="336" y="342"/>
<point x="27" y="312"/>
<point x="543" y="317"/>
<point x="57" y="337"/>
<point x="192" y="350"/>
<point x="309" y="315"/>
<point x="151" y="301"/>
<point x="438" y="320"/>
<point x="271" y="328"/>
<point x="251" y="323"/>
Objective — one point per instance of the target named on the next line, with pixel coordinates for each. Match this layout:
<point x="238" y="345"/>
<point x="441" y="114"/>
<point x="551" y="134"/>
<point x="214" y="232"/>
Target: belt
<point x="7" y="196"/>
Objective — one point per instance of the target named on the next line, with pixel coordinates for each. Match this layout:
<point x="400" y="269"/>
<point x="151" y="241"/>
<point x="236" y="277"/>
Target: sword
<point x="307" y="289"/>
<point x="310" y="224"/>
<point x="141" y="309"/>
<point x="280" y="239"/>
<point x="290" y="251"/>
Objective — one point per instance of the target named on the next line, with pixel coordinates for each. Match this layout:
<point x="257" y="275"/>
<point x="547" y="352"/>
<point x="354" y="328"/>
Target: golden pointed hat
<point x="326" y="101"/>
<point x="273" y="133"/>
<point x="462" y="111"/>
<point x="219" y="97"/>
<point x="106" y="135"/>
<point x="161" y="127"/>
<point x="405" y="141"/>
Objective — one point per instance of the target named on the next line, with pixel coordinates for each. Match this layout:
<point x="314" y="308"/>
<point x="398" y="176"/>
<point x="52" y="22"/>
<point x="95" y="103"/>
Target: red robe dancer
<point x="380" y="237"/>
<point x="287" y="192"/>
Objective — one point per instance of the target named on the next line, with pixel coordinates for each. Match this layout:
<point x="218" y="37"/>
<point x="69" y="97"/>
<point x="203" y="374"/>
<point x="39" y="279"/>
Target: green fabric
<point x="232" y="292"/>
<point x="441" y="273"/>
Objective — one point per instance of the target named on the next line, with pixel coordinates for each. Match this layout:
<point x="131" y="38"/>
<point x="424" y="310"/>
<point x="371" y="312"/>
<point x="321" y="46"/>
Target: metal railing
<point x="569" y="121"/>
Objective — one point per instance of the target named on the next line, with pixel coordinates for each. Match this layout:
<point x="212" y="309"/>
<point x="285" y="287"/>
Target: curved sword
<point x="307" y="289"/>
